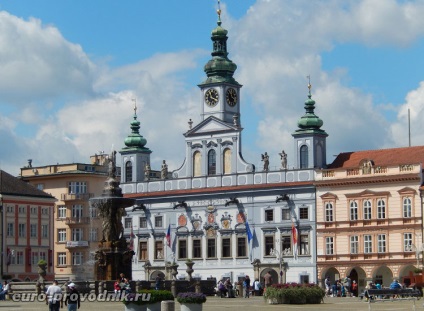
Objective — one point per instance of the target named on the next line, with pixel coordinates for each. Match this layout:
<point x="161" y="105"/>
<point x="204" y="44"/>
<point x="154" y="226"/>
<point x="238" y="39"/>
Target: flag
<point x="248" y="232"/>
<point x="168" y="236"/>
<point x="294" y="234"/>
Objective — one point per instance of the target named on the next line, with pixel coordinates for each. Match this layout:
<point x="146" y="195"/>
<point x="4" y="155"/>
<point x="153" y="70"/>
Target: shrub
<point x="148" y="296"/>
<point x="191" y="297"/>
<point x="294" y="293"/>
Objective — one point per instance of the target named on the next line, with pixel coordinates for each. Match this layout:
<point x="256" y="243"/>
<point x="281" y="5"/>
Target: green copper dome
<point x="309" y="122"/>
<point x="219" y="68"/>
<point x="135" y="141"/>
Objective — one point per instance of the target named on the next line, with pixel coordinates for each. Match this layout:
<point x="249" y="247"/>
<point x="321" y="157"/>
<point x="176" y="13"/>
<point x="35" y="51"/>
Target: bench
<point x="391" y="295"/>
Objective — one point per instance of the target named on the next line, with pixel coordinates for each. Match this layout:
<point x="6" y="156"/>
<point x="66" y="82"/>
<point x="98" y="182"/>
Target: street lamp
<point x="279" y="256"/>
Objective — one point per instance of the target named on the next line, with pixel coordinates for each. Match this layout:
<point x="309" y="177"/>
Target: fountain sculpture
<point x="113" y="255"/>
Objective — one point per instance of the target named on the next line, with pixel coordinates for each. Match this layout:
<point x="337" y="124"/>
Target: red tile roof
<point x="381" y="157"/>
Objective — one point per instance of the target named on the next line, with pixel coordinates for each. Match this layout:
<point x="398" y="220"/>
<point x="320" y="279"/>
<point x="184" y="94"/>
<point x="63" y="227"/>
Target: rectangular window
<point x="93" y="235"/>
<point x="128" y="223"/>
<point x="142" y="250"/>
<point x="182" y="249"/>
<point x="269" y="215"/>
<point x="329" y="245"/>
<point x="61" y="211"/>
<point x="285" y="214"/>
<point x="61" y="259"/>
<point x="33" y="210"/>
<point x="269" y="244"/>
<point x="158" y="222"/>
<point x="77" y="211"/>
<point x="21" y="230"/>
<point x="34" y="258"/>
<point x="354" y="244"/>
<point x="19" y="258"/>
<point x="33" y="229"/>
<point x="77" y="187"/>
<point x="241" y="247"/>
<point x="328" y="212"/>
<point x="381" y="209"/>
<point x="367" y="244"/>
<point x="158" y="250"/>
<point x="44" y="211"/>
<point x="211" y="248"/>
<point x="143" y="222"/>
<point x="43" y="256"/>
<point x="10" y="209"/>
<point x="381" y="239"/>
<point x="61" y="235"/>
<point x="197" y="248"/>
<point x="407" y="242"/>
<point x="44" y="231"/>
<point x="304" y="244"/>
<point x="303" y="213"/>
<point x="93" y="212"/>
<point x="226" y="247"/>
<point x="10" y="229"/>
<point x="21" y="209"/>
<point x="77" y="234"/>
<point x="286" y="246"/>
<point x="77" y="258"/>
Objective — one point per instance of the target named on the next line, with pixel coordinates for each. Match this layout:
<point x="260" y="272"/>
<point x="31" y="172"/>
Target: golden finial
<point x="135" y="105"/>
<point x="309" y="83"/>
<point x="219" y="9"/>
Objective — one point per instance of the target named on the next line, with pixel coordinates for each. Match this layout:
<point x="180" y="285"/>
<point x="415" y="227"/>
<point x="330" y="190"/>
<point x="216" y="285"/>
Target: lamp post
<point x="279" y="256"/>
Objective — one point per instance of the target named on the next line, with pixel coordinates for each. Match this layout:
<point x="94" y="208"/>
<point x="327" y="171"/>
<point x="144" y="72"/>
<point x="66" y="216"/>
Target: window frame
<point x="381" y="209"/>
<point x="241" y="247"/>
<point x="226" y="248"/>
<point x="381" y="243"/>
<point x="354" y="244"/>
<point x="367" y="209"/>
<point x="353" y="210"/>
<point x="368" y="247"/>
<point x="329" y="245"/>
<point x="269" y="213"/>
<point x="328" y="212"/>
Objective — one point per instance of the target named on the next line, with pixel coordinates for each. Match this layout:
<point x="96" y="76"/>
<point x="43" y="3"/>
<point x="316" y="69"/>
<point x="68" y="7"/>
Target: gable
<point x="211" y="125"/>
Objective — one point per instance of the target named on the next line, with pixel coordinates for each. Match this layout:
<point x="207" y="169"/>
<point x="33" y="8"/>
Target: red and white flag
<point x="294" y="235"/>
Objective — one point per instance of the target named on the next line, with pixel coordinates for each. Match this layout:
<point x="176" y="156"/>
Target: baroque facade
<point x="369" y="216"/>
<point x="227" y="216"/>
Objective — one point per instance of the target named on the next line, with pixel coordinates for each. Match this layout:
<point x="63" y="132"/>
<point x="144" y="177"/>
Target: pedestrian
<point x="267" y="279"/>
<point x="73" y="299"/>
<point x="246" y="285"/>
<point x="222" y="289"/>
<point x="395" y="284"/>
<point x="354" y="288"/>
<point x="4" y="290"/>
<point x="327" y="286"/>
<point x="257" y="287"/>
<point x="117" y="287"/>
<point x="158" y="281"/>
<point x="54" y="297"/>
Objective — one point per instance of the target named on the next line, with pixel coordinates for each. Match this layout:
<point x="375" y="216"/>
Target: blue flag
<point x="248" y="232"/>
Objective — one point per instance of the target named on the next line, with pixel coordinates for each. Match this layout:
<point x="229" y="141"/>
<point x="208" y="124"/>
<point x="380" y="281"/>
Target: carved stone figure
<point x="164" y="170"/>
<point x="283" y="156"/>
<point x="112" y="165"/>
<point x="147" y="171"/>
<point x="265" y="159"/>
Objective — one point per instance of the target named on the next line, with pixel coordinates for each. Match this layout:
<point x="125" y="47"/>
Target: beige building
<point x="369" y="216"/>
<point x="76" y="225"/>
<point x="26" y="229"/>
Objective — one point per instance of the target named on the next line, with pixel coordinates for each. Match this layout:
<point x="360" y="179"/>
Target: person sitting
<point x="395" y="284"/>
<point x="117" y="287"/>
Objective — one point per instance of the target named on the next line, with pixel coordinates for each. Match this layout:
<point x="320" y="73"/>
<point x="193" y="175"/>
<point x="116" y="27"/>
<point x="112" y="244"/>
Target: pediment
<point x="211" y="125"/>
<point x="329" y="196"/>
<point x="368" y="193"/>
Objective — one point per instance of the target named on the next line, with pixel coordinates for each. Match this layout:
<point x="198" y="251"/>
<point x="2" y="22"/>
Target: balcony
<point x="77" y="220"/>
<point x="74" y="244"/>
<point x="76" y="196"/>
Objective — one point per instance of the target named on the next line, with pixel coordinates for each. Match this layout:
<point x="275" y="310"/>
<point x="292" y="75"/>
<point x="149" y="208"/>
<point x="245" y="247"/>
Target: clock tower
<point x="220" y="91"/>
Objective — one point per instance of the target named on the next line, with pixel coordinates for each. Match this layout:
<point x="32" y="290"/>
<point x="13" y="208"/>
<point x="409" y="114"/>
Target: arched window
<point x="197" y="168"/>
<point x="227" y="161"/>
<point x="381" y="209"/>
<point x="328" y="211"/>
<point x="353" y="210"/>
<point x="407" y="207"/>
<point x="304" y="156"/>
<point x="212" y="162"/>
<point x="367" y="209"/>
<point x="128" y="171"/>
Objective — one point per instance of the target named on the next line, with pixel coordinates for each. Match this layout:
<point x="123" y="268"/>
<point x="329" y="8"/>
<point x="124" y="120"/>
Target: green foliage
<point x="42" y="262"/>
<point x="159" y="295"/>
<point x="191" y="297"/>
<point x="294" y="293"/>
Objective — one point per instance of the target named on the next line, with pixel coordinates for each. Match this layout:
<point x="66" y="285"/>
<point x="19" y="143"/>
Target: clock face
<point x="211" y="97"/>
<point x="231" y="97"/>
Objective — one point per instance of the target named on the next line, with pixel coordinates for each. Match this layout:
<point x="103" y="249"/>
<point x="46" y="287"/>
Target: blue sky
<point x="69" y="69"/>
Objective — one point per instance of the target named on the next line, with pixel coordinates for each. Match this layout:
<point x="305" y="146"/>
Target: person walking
<point x="246" y="285"/>
<point x="54" y="297"/>
<point x="4" y="290"/>
<point x="73" y="299"/>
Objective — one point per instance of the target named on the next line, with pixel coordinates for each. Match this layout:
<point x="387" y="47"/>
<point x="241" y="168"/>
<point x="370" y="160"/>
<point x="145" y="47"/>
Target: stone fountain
<point x="113" y="255"/>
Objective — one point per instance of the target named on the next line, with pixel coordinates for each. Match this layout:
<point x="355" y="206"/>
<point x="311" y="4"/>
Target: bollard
<point x="167" y="305"/>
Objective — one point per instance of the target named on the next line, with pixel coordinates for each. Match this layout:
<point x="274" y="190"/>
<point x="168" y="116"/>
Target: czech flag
<point x="168" y="236"/>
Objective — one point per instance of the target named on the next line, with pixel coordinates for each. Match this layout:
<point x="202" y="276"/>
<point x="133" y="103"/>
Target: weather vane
<point x="309" y="83"/>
